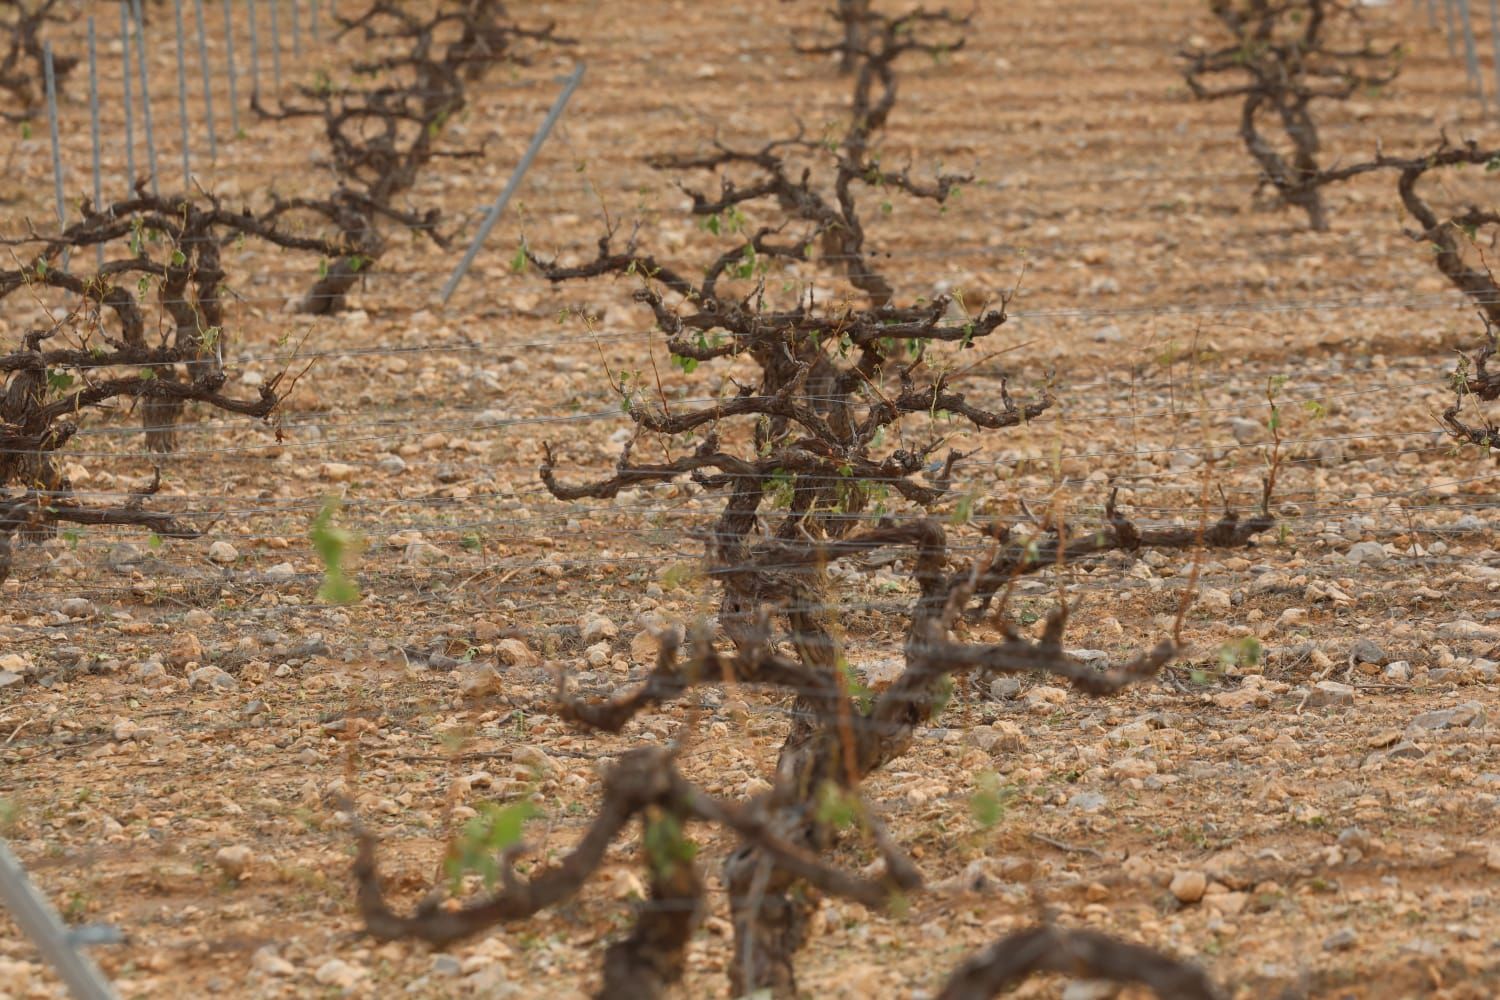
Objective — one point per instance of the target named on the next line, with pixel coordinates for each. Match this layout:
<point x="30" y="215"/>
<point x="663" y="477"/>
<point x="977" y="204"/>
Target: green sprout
<point x="332" y="544"/>
<point x="484" y="839"/>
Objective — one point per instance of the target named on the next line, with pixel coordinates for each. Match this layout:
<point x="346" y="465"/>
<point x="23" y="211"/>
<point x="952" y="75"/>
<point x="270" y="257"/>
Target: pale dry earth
<point x="1345" y="838"/>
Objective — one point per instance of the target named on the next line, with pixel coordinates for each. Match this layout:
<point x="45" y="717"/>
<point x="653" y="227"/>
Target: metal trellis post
<point x="553" y="115"/>
<point x="40" y="922"/>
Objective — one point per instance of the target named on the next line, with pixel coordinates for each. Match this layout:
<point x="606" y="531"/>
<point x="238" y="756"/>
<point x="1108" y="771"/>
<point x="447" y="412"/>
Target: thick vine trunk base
<point x="771" y="919"/>
<point x="160" y="418"/>
<point x="651" y="959"/>
<point x="330" y="294"/>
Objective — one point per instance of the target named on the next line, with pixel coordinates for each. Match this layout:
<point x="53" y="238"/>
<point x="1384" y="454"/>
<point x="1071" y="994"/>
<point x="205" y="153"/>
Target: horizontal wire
<point x="1062" y="410"/>
<point x="1308" y="511"/>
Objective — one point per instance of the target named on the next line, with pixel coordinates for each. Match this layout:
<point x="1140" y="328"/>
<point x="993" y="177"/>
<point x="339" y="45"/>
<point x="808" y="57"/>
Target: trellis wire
<point x="292" y="514"/>
<point x="400" y="417"/>
<point x="292" y="511"/>
<point x="467" y="416"/>
<point x="296" y="29"/>
<point x="1030" y="185"/>
<point x="298" y="584"/>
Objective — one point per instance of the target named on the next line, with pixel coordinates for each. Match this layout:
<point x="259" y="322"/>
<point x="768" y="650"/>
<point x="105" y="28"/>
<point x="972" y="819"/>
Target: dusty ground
<point x="1349" y="849"/>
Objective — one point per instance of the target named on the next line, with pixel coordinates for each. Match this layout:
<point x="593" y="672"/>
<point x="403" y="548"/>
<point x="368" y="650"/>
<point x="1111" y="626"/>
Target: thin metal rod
<point x="1495" y="42"/>
<point x="296" y="31"/>
<point x="276" y="47"/>
<point x="140" y="61"/>
<point x="1451" y="18"/>
<point x="57" y="174"/>
<point x="1471" y="56"/>
<point x="182" y="105"/>
<point x="129" y="110"/>
<point x="254" y="52"/>
<point x="40" y="922"/>
<point x="208" y="89"/>
<point x="234" y="94"/>
<point x="515" y="180"/>
<point x="94" y="127"/>
<point x="312" y="19"/>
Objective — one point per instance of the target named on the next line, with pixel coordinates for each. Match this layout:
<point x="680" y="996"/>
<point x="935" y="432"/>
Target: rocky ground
<point x="179" y="718"/>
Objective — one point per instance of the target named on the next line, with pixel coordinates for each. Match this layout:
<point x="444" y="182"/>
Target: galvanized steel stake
<point x="515" y="180"/>
<point x="208" y="90"/>
<point x="140" y="61"/>
<point x="39" y="921"/>
<point x="94" y="128"/>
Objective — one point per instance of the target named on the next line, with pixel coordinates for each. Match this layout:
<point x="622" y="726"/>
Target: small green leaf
<point x="836" y="807"/>
<point x="666" y="845"/>
<point x="855" y="686"/>
<point x="484" y="838"/>
<point x="9" y="814"/>
<point x="1244" y="652"/>
<point x="678" y="575"/>
<point x="988" y="803"/>
<point x="963" y="510"/>
<point x="332" y="544"/>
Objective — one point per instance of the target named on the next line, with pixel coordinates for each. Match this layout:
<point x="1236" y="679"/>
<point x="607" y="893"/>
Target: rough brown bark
<point x="1283" y="55"/>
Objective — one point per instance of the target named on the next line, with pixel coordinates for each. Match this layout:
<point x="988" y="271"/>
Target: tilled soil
<point x="1295" y="836"/>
